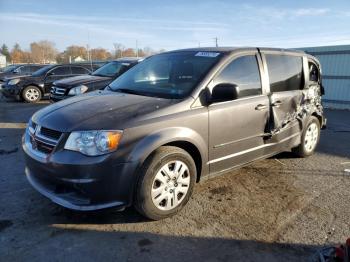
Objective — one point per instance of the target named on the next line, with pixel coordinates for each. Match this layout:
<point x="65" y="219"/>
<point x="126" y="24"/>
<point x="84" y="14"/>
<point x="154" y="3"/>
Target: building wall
<point x="335" y="62"/>
<point x="2" y="60"/>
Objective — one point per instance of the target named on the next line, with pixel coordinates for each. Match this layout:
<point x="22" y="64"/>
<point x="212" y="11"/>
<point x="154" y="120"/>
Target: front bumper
<point x="54" y="98"/>
<point x="10" y="90"/>
<point x="79" y="182"/>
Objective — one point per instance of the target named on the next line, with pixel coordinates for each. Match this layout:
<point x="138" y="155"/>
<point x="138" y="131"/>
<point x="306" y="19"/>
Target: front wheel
<point x="309" y="138"/>
<point x="31" y="94"/>
<point x="166" y="183"/>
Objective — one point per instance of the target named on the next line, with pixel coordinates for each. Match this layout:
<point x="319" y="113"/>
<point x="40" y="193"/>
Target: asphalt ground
<point x="279" y="209"/>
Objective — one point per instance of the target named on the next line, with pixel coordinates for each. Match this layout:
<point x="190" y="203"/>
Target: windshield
<point x="169" y="75"/>
<point x="42" y="70"/>
<point x="8" y="69"/>
<point x="110" y="69"/>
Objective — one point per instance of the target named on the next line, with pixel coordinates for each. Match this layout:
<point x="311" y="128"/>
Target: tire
<point x="309" y="138"/>
<point x="31" y="94"/>
<point x="160" y="196"/>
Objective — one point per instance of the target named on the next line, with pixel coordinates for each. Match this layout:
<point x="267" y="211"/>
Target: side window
<point x="285" y="72"/>
<point x="24" y="70"/>
<point x="34" y="68"/>
<point x="62" y="70"/>
<point x="314" y="73"/>
<point x="78" y="70"/>
<point x="243" y="72"/>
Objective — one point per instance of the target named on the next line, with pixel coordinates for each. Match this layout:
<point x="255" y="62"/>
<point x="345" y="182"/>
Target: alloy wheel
<point x="32" y="94"/>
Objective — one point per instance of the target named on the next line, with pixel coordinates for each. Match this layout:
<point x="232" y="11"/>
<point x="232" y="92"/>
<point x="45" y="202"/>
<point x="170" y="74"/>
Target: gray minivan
<point x="169" y="122"/>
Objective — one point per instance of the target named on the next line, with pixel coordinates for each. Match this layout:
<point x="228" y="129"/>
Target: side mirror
<point x="16" y="71"/>
<point x="50" y="74"/>
<point x="224" y="92"/>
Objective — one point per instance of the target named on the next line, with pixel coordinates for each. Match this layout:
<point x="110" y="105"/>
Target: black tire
<point x="143" y="199"/>
<point x="302" y="150"/>
<point x="31" y="94"/>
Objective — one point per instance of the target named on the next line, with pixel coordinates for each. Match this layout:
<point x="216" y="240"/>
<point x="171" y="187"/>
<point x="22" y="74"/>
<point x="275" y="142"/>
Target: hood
<point x="80" y="80"/>
<point x="100" y="110"/>
<point x="5" y="77"/>
<point x="15" y="77"/>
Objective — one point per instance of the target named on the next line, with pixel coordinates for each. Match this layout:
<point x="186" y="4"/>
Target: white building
<point x="2" y="60"/>
<point x="78" y="59"/>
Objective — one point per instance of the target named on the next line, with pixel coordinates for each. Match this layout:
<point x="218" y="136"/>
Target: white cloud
<point x="311" y="12"/>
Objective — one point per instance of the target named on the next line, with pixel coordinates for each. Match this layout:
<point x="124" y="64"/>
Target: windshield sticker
<point x="207" y="54"/>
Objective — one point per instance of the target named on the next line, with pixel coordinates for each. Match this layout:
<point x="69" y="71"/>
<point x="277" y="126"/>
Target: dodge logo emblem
<point x="34" y="144"/>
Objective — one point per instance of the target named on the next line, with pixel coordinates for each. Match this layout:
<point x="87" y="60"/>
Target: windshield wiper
<point x="127" y="91"/>
<point x="98" y="75"/>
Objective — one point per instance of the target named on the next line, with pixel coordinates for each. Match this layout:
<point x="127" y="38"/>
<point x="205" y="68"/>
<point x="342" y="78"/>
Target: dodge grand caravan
<point x="171" y="121"/>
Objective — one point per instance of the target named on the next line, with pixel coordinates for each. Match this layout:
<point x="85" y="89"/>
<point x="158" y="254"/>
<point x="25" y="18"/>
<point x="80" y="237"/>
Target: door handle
<point x="260" y="107"/>
<point x="277" y="103"/>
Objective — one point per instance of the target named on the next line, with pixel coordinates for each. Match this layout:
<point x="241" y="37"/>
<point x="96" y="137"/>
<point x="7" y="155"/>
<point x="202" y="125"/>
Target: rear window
<point x="285" y="72"/>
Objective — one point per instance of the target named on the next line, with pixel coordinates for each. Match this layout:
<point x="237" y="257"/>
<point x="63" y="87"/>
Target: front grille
<point x="43" y="139"/>
<point x="41" y="146"/>
<point x="58" y="91"/>
<point x="52" y="134"/>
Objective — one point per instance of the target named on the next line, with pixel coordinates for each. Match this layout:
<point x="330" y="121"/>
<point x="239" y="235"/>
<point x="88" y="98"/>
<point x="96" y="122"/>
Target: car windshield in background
<point x="170" y="75"/>
<point x="9" y="68"/>
<point x="110" y="69"/>
<point x="42" y="70"/>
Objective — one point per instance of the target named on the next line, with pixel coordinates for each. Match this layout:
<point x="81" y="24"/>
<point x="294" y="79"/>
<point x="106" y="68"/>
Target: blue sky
<point x="175" y="24"/>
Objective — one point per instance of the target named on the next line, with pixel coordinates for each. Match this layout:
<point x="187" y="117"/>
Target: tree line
<point x="45" y="52"/>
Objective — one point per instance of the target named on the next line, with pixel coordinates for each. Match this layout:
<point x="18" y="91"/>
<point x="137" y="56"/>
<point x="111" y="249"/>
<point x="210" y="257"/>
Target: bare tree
<point x="43" y="51"/>
<point x="100" y="54"/>
<point x="17" y="54"/>
<point x="118" y="50"/>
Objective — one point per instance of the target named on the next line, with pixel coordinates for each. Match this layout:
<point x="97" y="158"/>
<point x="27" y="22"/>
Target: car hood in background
<point x="80" y="80"/>
<point x="100" y="110"/>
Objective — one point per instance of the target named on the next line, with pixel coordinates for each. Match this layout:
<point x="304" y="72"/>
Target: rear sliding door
<point x="286" y="78"/>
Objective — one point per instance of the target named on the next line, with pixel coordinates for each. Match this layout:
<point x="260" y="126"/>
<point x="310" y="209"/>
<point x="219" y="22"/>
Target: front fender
<point x="161" y="137"/>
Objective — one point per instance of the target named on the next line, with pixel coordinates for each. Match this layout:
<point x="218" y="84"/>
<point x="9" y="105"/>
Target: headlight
<point x="78" y="90"/>
<point x="13" y="81"/>
<point x="93" y="143"/>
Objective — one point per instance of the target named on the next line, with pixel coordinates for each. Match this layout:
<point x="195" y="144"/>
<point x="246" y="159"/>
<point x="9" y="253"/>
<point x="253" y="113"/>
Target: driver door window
<point x="243" y="72"/>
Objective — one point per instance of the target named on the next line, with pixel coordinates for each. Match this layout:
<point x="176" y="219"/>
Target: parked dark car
<point x="19" y="69"/>
<point x="32" y="88"/>
<point x="171" y="121"/>
<point x="99" y="79"/>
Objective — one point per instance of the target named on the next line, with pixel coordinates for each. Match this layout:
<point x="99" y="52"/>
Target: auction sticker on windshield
<point x="207" y="54"/>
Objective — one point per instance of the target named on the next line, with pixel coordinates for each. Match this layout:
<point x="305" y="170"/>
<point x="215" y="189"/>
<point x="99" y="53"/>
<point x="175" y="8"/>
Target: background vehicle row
<point x="31" y="88"/>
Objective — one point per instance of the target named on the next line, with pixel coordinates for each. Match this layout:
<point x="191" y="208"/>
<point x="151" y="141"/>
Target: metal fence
<point x="335" y="62"/>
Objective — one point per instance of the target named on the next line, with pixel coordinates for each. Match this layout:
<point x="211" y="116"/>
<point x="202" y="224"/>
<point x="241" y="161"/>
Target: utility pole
<point x="89" y="51"/>
<point x="216" y="41"/>
<point x="137" y="49"/>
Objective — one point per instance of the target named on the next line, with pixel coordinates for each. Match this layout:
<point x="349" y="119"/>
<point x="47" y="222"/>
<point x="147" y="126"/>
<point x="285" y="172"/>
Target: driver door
<point x="237" y="127"/>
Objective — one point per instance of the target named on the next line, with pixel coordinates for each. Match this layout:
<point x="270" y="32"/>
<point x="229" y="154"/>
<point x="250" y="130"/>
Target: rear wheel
<point x="31" y="94"/>
<point x="309" y="139"/>
<point x="166" y="183"/>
